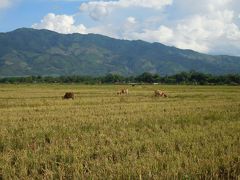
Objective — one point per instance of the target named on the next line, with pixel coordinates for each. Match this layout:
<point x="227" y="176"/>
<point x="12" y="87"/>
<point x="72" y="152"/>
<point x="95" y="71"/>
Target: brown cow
<point x="164" y="95"/>
<point x="122" y="91"/>
<point x="159" y="93"/>
<point x="119" y="92"/>
<point x="68" y="95"/>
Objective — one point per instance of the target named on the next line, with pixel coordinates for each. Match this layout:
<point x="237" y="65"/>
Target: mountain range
<point x="27" y="51"/>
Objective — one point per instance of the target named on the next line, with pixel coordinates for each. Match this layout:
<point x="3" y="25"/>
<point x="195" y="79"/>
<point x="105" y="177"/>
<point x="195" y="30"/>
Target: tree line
<point x="191" y="77"/>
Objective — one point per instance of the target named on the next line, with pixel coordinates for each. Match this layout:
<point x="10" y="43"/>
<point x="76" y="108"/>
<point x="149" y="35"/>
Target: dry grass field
<point x="192" y="134"/>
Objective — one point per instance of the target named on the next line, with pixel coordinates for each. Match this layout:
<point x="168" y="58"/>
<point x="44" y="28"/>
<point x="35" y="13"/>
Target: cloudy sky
<point x="208" y="26"/>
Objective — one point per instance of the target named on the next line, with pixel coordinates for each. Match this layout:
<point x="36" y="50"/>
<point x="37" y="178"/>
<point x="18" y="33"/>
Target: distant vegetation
<point x="195" y="78"/>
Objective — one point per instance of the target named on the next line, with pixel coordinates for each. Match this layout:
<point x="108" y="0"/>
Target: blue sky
<point x="24" y="13"/>
<point x="208" y="26"/>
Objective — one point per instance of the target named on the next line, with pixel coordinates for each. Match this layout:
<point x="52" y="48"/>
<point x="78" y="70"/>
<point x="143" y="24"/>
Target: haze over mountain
<point x="26" y="52"/>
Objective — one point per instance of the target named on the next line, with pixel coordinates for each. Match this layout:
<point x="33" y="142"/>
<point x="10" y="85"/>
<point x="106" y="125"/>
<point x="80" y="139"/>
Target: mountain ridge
<point x="27" y="51"/>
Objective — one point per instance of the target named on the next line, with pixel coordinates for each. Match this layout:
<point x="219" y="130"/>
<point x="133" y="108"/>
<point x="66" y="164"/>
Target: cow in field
<point x="122" y="91"/>
<point x="125" y="91"/>
<point x="158" y="93"/>
<point x="119" y="92"/>
<point x="68" y="95"/>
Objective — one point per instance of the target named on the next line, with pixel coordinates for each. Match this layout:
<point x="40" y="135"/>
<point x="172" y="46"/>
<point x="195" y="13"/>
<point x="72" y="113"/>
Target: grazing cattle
<point x="122" y="91"/>
<point x="159" y="93"/>
<point x="163" y="94"/>
<point x="68" y="95"/>
<point x="119" y="92"/>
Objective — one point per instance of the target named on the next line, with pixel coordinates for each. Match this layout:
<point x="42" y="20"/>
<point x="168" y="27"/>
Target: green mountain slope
<point x="42" y="52"/>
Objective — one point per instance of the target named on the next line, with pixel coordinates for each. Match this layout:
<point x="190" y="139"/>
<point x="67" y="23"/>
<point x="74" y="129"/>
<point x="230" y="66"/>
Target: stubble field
<point x="194" y="133"/>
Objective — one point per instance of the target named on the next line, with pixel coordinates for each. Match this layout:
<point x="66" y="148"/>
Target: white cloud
<point x="96" y="11"/>
<point x="208" y="33"/>
<point x="233" y="32"/>
<point x="203" y="6"/>
<point x="60" y="23"/>
<point x="99" y="9"/>
<point x="209" y="26"/>
<point x="162" y="34"/>
<point x="131" y="20"/>
<point x="5" y="3"/>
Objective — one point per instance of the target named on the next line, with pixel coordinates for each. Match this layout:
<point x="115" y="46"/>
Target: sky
<point x="207" y="26"/>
